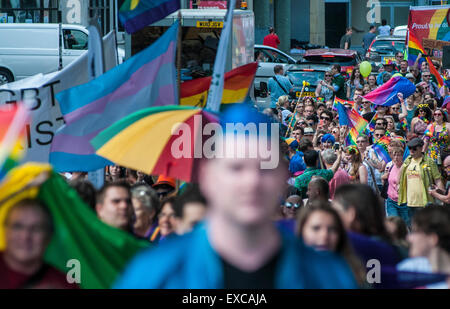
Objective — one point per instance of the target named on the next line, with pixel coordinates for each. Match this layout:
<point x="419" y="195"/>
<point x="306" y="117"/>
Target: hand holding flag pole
<point x="305" y="83"/>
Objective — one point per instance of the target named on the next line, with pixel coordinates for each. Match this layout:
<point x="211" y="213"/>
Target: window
<point x="273" y="56"/>
<point x="75" y="39"/>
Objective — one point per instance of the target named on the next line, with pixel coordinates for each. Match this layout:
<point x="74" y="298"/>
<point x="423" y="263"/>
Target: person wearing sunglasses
<point x="325" y="88"/>
<point x="291" y="206"/>
<point x="432" y="86"/>
<point x="422" y="118"/>
<point x="326" y="117"/>
<point x="418" y="174"/>
<point x="437" y="136"/>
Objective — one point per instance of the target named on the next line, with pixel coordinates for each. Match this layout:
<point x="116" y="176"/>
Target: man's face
<point x="309" y="111"/>
<point x="291" y="207"/>
<point x="380" y="123"/>
<point x="395" y="109"/>
<point x="404" y="66"/>
<point x="326" y="119"/>
<point x="27" y="235"/>
<point x="192" y="214"/>
<point x="239" y="191"/>
<point x="297" y="134"/>
<point x="312" y="192"/>
<point x="426" y="76"/>
<point x="116" y="209"/>
<point x="377" y="134"/>
<point x="114" y="170"/>
<point x="362" y="144"/>
<point x="163" y="190"/>
<point x="399" y="58"/>
<point x="416" y="152"/>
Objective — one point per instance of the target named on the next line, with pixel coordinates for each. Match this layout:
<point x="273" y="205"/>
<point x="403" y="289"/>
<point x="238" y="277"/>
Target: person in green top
<point x="338" y="82"/>
<point x="418" y="174"/>
<point x="311" y="158"/>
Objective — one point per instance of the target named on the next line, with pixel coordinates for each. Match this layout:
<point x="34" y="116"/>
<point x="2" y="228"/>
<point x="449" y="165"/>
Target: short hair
<point x="403" y="61"/>
<point x="271" y="29"/>
<point x="329" y="156"/>
<point x="400" y="133"/>
<point x="278" y="68"/>
<point x="33" y="204"/>
<point x="300" y="128"/>
<point x="384" y="121"/>
<point x="384" y="22"/>
<point x="85" y="190"/>
<point x="372" y="27"/>
<point x="304" y="145"/>
<point x="348" y="29"/>
<point x="311" y="157"/>
<point x="146" y="195"/>
<point x="118" y="183"/>
<point x="434" y="220"/>
<point x="364" y="136"/>
<point x="313" y="118"/>
<point x="328" y="113"/>
<point x="320" y="183"/>
<point x="192" y="195"/>
<point x="379" y="128"/>
<point x="337" y="67"/>
<point x="283" y="100"/>
<point x="393" y="150"/>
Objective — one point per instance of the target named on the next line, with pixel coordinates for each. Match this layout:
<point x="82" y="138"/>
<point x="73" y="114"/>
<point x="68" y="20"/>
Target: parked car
<point x="346" y="58"/>
<point x="383" y="49"/>
<point x="270" y="58"/>
<point x="311" y="72"/>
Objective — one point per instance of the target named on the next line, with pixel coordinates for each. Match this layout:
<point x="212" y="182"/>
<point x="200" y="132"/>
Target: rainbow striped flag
<point x="343" y="102"/>
<point x="146" y="79"/>
<point x="137" y="14"/>
<point x="372" y="123"/>
<point x="381" y="148"/>
<point x="353" y="120"/>
<point x="13" y="122"/>
<point x="236" y="86"/>
<point x="414" y="48"/>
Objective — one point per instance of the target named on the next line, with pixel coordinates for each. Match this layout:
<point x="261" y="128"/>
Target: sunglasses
<point x="325" y="118"/>
<point x="328" y="75"/>
<point x="289" y="205"/>
<point x="360" y="142"/>
<point x="395" y="108"/>
<point x="426" y="75"/>
<point x="379" y="135"/>
<point x="437" y="114"/>
<point x="421" y="111"/>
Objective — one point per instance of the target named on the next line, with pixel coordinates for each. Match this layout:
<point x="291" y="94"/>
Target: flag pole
<point x="179" y="44"/>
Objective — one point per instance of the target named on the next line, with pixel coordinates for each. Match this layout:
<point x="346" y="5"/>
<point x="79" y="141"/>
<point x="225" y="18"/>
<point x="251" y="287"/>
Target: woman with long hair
<point x="356" y="81"/>
<point x="325" y="87"/>
<point x="356" y="168"/>
<point x="362" y="213"/>
<point x="320" y="227"/>
<point x="421" y="120"/>
<point x="437" y="136"/>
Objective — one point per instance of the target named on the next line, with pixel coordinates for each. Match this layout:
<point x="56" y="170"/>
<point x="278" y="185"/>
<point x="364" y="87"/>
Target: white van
<point x="29" y="49"/>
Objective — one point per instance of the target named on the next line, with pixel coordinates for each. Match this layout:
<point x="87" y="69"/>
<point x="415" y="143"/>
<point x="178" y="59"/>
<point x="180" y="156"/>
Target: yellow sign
<point x="209" y="24"/>
<point x="305" y="94"/>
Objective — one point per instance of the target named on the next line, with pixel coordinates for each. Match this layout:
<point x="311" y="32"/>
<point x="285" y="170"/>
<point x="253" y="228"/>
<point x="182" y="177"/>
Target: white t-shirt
<point x="384" y="30"/>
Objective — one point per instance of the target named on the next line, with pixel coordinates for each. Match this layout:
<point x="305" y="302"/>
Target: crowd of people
<point x="314" y="221"/>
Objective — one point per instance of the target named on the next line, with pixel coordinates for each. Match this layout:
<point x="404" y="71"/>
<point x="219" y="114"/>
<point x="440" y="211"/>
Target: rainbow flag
<point x="146" y="79"/>
<point x="237" y="83"/>
<point x="353" y="120"/>
<point x="13" y="120"/>
<point x="386" y="94"/>
<point x="371" y="126"/>
<point x="429" y="132"/>
<point x="136" y="14"/>
<point x="414" y="48"/>
<point x="343" y="102"/>
<point x="381" y="148"/>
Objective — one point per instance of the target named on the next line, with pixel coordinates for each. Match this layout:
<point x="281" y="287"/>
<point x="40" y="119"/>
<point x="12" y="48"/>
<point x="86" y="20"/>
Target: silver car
<point x="270" y="58"/>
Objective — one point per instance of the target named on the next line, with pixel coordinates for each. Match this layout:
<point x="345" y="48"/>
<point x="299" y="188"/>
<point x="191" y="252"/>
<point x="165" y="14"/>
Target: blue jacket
<point x="189" y="262"/>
